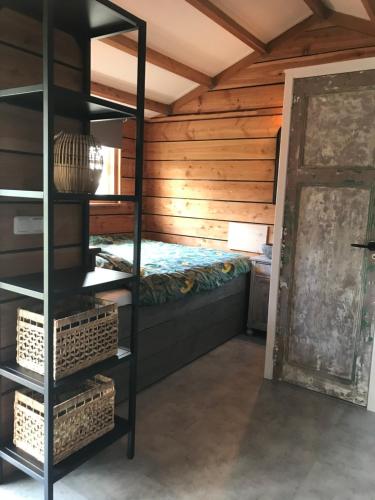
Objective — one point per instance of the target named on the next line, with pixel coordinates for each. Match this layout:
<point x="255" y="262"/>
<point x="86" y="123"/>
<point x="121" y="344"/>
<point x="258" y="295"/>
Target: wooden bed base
<point x="172" y="335"/>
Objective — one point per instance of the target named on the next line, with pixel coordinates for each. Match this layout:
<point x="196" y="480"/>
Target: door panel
<point x="339" y="131"/>
<point x="326" y="307"/>
<point x="327" y="284"/>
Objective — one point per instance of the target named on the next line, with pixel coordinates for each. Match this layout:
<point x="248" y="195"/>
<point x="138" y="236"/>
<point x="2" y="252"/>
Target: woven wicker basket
<point x="78" y="163"/>
<point x="80" y="417"/>
<point x="85" y="331"/>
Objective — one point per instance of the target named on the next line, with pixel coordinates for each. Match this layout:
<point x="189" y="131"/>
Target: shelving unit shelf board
<point x="67" y="281"/>
<point x="68" y="103"/>
<point x="78" y="197"/>
<point x="35" y="381"/>
<point x="91" y="18"/>
<point x="28" y="464"/>
<point x="66" y="197"/>
<point x="20" y="193"/>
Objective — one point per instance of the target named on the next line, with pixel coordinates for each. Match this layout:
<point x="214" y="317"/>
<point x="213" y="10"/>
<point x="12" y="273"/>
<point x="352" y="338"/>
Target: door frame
<point x="290" y="76"/>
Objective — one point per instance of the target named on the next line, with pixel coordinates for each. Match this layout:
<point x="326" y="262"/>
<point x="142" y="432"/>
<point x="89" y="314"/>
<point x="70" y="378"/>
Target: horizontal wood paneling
<point x="268" y="96"/>
<point x="192" y="241"/>
<point x="26" y="33"/>
<point x="325" y="39"/>
<point x="225" y="170"/>
<point x="129" y="128"/>
<point x="13" y="264"/>
<point x="27" y="69"/>
<point x="187" y="240"/>
<point x="203" y="190"/>
<point x="216" y="128"/>
<point x="261" y="213"/>
<point x="202" y="174"/>
<point x="230" y="149"/>
<point x="274" y="71"/>
<point x="211" y="116"/>
<point x="67" y="226"/>
<point x="199" y="162"/>
<point x="21" y="131"/>
<point x="111" y="224"/>
<point x="188" y="227"/>
<point x="20" y="171"/>
<point x="111" y="208"/>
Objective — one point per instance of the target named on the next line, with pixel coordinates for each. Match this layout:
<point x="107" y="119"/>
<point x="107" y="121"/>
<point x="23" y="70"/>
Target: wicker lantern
<point x="78" y="163"/>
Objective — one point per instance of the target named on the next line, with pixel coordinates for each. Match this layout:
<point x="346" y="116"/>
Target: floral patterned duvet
<point x="169" y="271"/>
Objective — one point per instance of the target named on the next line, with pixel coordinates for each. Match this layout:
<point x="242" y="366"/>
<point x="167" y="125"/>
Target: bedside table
<point x="259" y="292"/>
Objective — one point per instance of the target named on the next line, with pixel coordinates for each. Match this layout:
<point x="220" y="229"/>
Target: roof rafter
<point x="369" y="5"/>
<point x="129" y="46"/>
<point x="319" y="8"/>
<point x="127" y="98"/>
<point x="249" y="59"/>
<point x="222" y="19"/>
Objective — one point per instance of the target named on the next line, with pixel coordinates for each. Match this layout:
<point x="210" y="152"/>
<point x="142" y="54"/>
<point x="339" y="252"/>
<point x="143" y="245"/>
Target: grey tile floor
<point x="216" y="430"/>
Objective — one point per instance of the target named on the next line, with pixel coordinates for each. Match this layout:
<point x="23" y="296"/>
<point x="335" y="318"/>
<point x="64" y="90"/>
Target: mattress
<point x="169" y="271"/>
<point x="121" y="297"/>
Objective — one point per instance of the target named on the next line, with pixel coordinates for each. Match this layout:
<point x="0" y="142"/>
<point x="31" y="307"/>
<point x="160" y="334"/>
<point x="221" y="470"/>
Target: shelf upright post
<point x="48" y="239"/>
<point x="1" y="430"/>
<point x="137" y="234"/>
<point x="85" y="46"/>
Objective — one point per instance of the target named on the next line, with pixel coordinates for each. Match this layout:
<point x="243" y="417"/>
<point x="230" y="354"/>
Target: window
<point x="110" y="180"/>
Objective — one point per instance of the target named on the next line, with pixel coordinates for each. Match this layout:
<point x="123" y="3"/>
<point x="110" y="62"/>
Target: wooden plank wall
<point x="204" y="172"/>
<point x="21" y="168"/>
<point x="213" y="161"/>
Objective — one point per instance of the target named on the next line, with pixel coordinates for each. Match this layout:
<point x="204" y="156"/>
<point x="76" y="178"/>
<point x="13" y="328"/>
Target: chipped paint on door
<point x="326" y="305"/>
<point x="336" y="138"/>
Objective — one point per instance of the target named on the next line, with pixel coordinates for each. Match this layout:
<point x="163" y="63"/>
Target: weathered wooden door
<point x="326" y="318"/>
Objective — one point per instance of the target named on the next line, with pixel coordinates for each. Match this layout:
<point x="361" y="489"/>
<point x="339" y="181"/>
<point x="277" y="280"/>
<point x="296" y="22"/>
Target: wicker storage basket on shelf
<point x="80" y="417"/>
<point x="85" y="331"/>
<point x="78" y="163"/>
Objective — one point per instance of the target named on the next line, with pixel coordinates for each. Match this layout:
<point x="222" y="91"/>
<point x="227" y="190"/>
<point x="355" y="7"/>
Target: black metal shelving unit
<point x="84" y="20"/>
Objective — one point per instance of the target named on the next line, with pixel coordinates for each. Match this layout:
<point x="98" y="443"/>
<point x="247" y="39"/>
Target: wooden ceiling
<point x="258" y="50"/>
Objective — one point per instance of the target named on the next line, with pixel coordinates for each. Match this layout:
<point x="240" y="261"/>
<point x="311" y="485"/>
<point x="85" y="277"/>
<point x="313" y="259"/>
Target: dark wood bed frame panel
<point x="172" y="335"/>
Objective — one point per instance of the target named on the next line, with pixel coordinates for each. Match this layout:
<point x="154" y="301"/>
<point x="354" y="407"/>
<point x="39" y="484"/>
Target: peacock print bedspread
<point x="169" y="271"/>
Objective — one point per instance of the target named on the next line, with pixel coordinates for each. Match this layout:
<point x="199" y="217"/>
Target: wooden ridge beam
<point x="319" y="8"/>
<point x="369" y="5"/>
<point x="129" y="46"/>
<point x="122" y="96"/>
<point x="222" y="19"/>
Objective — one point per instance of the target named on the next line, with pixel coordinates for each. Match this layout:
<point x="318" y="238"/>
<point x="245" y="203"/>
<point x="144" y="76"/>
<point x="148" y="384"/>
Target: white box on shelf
<point x="23" y="224"/>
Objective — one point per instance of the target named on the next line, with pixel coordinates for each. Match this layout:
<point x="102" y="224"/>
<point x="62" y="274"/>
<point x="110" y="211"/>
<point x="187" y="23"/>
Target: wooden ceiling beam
<point x="284" y="38"/>
<point x="128" y="98"/>
<point x="319" y="8"/>
<point x="353" y="23"/>
<point x="250" y="59"/>
<point x="222" y="19"/>
<point x="369" y="5"/>
<point x="129" y="46"/>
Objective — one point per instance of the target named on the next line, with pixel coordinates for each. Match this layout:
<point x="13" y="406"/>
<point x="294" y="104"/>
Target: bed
<point x="192" y="300"/>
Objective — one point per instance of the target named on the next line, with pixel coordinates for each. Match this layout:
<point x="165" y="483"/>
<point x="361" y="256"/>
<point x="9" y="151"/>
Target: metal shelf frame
<point x="48" y="285"/>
